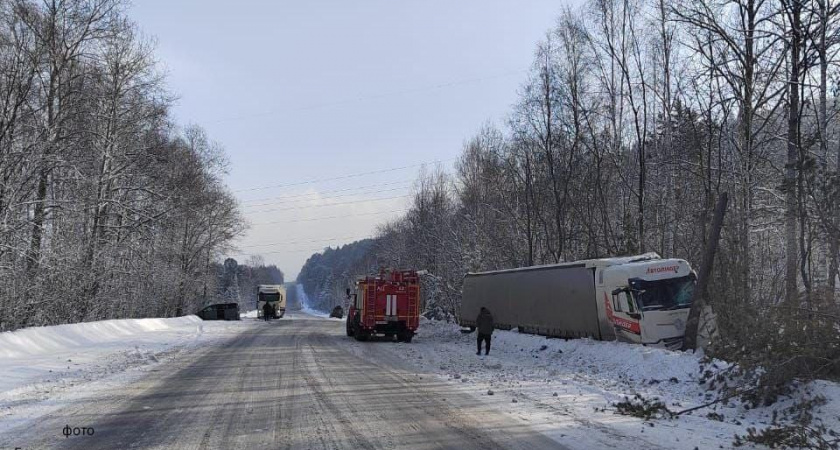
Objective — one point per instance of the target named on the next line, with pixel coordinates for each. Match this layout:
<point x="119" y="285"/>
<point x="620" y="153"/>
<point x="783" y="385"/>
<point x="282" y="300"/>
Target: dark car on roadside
<point x="337" y="312"/>
<point x="220" y="311"/>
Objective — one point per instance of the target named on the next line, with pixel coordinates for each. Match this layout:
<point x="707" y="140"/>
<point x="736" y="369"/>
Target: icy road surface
<point x="286" y="384"/>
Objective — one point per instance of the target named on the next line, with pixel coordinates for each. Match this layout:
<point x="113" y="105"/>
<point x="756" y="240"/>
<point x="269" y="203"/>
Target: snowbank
<point x="567" y="389"/>
<point x="40" y="365"/>
<point x="314" y="312"/>
<point x="61" y="338"/>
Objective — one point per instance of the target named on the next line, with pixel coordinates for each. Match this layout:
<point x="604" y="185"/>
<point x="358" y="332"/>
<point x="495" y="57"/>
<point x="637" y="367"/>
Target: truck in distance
<point x="386" y="304"/>
<point x="641" y="299"/>
<point x="275" y="295"/>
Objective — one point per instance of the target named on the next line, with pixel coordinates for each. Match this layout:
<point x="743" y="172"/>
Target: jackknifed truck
<point x="641" y="299"/>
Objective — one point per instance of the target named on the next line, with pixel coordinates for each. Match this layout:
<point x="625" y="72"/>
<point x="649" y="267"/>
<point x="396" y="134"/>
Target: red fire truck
<point x="386" y="304"/>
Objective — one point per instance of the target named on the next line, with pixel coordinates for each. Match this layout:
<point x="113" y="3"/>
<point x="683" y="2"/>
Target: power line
<point x="377" y="191"/>
<point x="297" y="242"/>
<point x="369" y="97"/>
<point x="329" y="191"/>
<point x="342" y="216"/>
<point x="344" y="177"/>
<point x="328" y="204"/>
<point x="300" y="250"/>
<point x="354" y="239"/>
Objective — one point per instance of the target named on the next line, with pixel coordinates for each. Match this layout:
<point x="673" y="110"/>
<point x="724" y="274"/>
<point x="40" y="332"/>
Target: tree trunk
<point x="834" y="245"/>
<point x="698" y="296"/>
<point x="790" y="185"/>
<point x="38" y="222"/>
<point x="826" y="258"/>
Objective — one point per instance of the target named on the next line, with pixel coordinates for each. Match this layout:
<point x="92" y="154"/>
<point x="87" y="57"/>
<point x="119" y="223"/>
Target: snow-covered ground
<point x="44" y="368"/>
<point x="567" y="389"/>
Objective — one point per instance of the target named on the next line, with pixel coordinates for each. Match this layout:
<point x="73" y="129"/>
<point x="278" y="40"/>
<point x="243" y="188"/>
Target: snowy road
<point x="287" y="384"/>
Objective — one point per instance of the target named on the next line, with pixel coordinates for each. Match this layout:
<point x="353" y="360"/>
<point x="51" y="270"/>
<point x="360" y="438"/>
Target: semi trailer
<point x="275" y="295"/>
<point x="641" y="299"/>
<point x="386" y="304"/>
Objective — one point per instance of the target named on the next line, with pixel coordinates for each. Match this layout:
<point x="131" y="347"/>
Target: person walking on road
<point x="484" y="323"/>
<point x="267" y="313"/>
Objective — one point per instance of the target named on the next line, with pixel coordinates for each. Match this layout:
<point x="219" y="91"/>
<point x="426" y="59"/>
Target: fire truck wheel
<point x="362" y="335"/>
<point x="406" y="337"/>
<point x="349" y="329"/>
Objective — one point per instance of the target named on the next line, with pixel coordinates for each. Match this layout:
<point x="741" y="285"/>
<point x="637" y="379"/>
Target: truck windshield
<point x="672" y="293"/>
<point x="266" y="297"/>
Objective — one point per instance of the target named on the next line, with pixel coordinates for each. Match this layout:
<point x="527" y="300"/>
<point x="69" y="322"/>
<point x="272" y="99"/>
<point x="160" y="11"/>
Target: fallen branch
<point x="716" y="401"/>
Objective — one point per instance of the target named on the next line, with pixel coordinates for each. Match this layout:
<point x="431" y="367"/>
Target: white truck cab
<point x="274" y="294"/>
<point x="644" y="299"/>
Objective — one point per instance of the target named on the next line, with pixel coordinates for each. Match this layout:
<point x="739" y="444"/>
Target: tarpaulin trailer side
<point x="556" y="300"/>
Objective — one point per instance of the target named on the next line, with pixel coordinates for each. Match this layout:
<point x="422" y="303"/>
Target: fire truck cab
<point x="386" y="304"/>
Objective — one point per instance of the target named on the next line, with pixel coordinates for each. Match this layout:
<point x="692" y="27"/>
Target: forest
<point x="108" y="208"/>
<point x="633" y="121"/>
<point x="326" y="276"/>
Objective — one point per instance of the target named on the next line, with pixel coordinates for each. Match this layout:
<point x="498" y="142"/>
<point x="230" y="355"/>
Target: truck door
<point x="625" y="316"/>
<point x="358" y="300"/>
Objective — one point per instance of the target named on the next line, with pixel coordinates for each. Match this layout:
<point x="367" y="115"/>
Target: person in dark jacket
<point x="267" y="312"/>
<point x="484" y="323"/>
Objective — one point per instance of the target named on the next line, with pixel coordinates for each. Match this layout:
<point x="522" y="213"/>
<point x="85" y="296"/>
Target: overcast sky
<point x="303" y="93"/>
